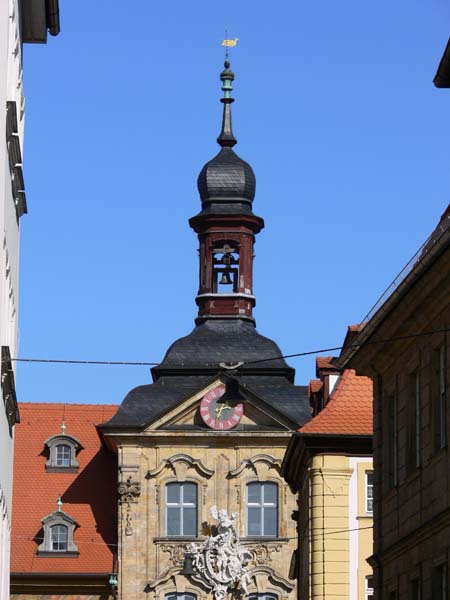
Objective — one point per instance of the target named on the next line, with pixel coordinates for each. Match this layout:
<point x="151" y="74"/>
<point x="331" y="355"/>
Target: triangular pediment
<point x="187" y="414"/>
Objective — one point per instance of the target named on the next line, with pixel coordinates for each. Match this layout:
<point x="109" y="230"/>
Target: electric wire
<point x="311" y="532"/>
<point x="243" y="364"/>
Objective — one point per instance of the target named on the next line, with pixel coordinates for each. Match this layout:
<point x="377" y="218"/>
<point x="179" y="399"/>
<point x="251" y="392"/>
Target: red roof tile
<point x="89" y="496"/>
<point x="315" y="385"/>
<point x="349" y="410"/>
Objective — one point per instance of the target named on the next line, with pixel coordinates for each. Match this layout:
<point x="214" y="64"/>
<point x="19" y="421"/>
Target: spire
<point x="226" y="137"/>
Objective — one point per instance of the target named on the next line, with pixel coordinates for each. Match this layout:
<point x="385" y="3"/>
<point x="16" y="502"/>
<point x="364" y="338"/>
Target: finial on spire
<point x="226" y="137"/>
<point x="59" y="503"/>
<point x="63" y="427"/>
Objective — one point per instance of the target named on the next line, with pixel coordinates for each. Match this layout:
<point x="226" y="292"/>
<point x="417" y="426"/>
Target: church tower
<point x="213" y="426"/>
<point x="226" y="226"/>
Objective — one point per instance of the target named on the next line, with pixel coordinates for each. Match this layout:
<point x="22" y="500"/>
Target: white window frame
<point x="368" y="486"/>
<point x="181" y="505"/>
<point x="262" y="505"/>
<point x="368" y="589"/>
<point x="64" y="458"/>
<point x="262" y="596"/>
<point x="57" y="540"/>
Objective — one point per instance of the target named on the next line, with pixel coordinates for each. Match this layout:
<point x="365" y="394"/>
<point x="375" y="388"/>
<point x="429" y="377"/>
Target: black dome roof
<point x="226" y="179"/>
<point x="216" y="341"/>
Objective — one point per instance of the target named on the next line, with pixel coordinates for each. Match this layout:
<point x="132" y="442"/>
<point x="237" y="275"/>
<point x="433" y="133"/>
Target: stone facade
<point x="220" y="464"/>
<point x="411" y="375"/>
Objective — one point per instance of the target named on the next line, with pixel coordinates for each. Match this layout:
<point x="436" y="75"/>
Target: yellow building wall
<point x="335" y="529"/>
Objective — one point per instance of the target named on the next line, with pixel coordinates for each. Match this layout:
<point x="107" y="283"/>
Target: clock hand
<point x="220" y="409"/>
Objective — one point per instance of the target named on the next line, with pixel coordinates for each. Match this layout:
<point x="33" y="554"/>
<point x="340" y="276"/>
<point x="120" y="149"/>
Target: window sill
<point x="253" y="539"/>
<point x="61" y="469"/>
<point x="57" y="554"/>
<point x="177" y="538"/>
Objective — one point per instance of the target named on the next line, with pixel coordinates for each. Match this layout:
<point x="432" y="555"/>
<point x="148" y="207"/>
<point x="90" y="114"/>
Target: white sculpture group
<point x="221" y="561"/>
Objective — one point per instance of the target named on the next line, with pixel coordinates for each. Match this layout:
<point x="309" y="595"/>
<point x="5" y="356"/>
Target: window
<point x="392" y="441"/>
<point x="413" y="416"/>
<point x="369" y="492"/>
<point x="415" y="589"/>
<point x="63" y="449"/>
<point x="440" y="583"/>
<point x="369" y="587"/>
<point x="262" y="509"/>
<point x="63" y="454"/>
<point x="438" y="391"/>
<point x="58" y="529"/>
<point x="176" y="596"/>
<point x="262" y="597"/>
<point x="181" y="509"/>
<point x="59" y="537"/>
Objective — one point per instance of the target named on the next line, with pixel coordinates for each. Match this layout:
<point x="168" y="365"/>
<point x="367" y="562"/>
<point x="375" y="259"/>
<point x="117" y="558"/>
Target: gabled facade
<point x="328" y="463"/>
<point x="213" y="426"/>
<point x="404" y="348"/>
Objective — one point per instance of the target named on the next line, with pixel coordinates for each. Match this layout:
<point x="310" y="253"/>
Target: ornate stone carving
<point x="261" y="554"/>
<point x="221" y="561"/>
<point x="177" y="552"/>
<point x="129" y="491"/>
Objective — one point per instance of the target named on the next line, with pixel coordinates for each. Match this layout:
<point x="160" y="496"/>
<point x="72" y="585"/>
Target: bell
<point x="225" y="279"/>
<point x="188" y="566"/>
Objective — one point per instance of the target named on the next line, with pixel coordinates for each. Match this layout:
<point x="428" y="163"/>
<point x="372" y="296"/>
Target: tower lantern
<point x="226" y="225"/>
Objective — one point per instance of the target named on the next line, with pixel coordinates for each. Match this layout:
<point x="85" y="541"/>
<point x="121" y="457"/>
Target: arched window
<point x="63" y="455"/>
<point x="58" y="529"/>
<point x="262" y="509"/>
<point x="181" y="509"/>
<point x="63" y="449"/>
<point x="262" y="597"/>
<point x="59" y="538"/>
<point x="176" y="596"/>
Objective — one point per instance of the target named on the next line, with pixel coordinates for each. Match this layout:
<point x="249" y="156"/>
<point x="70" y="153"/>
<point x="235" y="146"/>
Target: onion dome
<point x="226" y="183"/>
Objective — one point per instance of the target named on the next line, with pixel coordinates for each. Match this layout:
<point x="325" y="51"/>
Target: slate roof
<point x="221" y="340"/>
<point x="349" y="410"/>
<point x="89" y="496"/>
<point x="145" y="403"/>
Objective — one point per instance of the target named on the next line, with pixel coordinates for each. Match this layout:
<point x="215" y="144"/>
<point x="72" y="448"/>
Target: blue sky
<point x="335" y="110"/>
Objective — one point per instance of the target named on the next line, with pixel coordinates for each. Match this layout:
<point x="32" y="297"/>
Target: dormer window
<point x="58" y="530"/>
<point x="63" y="449"/>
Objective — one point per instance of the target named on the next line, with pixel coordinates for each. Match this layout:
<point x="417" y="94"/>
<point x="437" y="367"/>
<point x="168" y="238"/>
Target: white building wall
<point x="10" y="90"/>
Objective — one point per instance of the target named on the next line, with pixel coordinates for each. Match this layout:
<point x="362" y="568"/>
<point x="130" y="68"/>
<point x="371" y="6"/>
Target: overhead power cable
<point x="243" y="364"/>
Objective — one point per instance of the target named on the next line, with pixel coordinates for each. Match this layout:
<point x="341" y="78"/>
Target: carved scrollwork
<point x="129" y="491"/>
<point x="176" y="552"/>
<point x="261" y="554"/>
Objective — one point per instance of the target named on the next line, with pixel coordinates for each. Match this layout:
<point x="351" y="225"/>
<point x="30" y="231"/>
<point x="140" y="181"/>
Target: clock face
<point x="220" y="415"/>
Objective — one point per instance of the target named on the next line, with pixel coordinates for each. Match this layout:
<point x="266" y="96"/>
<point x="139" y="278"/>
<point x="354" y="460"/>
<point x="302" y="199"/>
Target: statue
<point x="221" y="561"/>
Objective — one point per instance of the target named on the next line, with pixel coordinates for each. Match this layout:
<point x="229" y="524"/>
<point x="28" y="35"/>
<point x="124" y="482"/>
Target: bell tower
<point x="226" y="226"/>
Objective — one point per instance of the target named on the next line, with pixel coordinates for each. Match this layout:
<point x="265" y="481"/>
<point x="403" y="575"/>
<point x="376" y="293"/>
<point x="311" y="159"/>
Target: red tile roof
<point x="315" y="385"/>
<point x="325" y="362"/>
<point x="349" y="410"/>
<point x="89" y="496"/>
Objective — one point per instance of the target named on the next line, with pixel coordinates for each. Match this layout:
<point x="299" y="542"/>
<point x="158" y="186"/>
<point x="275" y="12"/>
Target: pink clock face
<point x="219" y="415"/>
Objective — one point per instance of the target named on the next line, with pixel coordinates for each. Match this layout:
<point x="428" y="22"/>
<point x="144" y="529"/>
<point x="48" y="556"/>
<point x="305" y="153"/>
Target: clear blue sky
<point x="335" y="110"/>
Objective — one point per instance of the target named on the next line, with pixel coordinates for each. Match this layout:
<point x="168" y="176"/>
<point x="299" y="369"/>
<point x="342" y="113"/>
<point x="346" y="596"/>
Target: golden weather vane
<point x="228" y="43"/>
